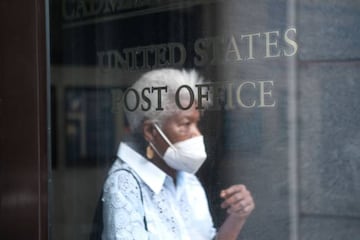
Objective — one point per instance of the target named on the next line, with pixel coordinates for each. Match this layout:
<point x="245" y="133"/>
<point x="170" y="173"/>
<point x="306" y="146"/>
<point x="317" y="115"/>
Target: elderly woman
<point x="151" y="191"/>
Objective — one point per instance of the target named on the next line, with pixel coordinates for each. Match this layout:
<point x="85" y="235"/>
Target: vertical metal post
<point x="293" y="132"/>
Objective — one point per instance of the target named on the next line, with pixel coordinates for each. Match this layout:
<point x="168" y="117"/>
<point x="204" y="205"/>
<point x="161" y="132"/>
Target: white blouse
<point x="171" y="212"/>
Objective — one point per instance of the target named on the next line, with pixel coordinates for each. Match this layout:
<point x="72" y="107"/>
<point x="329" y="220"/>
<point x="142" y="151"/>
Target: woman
<point x="151" y="191"/>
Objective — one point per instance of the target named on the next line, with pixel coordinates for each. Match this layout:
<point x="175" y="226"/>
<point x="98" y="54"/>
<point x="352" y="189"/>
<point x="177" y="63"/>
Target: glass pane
<point x="278" y="110"/>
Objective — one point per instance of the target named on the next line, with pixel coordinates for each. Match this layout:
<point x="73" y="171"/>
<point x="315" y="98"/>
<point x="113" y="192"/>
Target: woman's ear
<point x="148" y="130"/>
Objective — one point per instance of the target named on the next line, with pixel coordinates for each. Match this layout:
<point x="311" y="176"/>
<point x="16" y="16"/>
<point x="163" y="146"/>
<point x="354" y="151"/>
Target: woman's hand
<point x="239" y="204"/>
<point x="238" y="201"/>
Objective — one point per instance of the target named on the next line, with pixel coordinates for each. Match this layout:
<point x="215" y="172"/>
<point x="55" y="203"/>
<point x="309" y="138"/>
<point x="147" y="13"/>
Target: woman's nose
<point x="195" y="131"/>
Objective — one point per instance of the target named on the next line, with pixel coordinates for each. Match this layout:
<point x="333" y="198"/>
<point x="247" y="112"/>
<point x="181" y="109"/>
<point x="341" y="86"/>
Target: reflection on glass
<point x="283" y="119"/>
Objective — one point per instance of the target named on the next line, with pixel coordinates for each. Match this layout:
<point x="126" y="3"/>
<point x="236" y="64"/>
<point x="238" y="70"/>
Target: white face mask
<point x="187" y="155"/>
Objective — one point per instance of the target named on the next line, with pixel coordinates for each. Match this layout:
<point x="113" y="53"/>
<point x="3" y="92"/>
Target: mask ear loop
<point x="162" y="134"/>
<point x="155" y="149"/>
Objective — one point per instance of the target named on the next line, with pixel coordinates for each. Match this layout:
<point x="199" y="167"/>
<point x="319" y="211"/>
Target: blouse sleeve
<point x="123" y="210"/>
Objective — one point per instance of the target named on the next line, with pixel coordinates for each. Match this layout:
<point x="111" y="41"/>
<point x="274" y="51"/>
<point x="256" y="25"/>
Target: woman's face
<point x="178" y="127"/>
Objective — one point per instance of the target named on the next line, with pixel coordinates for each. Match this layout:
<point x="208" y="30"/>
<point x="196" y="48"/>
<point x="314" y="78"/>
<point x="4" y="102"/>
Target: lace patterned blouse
<point x="171" y="212"/>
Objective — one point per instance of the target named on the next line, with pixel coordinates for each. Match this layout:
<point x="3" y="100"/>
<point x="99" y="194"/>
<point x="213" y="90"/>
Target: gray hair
<point x="172" y="79"/>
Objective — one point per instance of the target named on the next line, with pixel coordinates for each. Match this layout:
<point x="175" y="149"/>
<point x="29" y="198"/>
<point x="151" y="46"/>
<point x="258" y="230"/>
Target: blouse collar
<point x="153" y="176"/>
